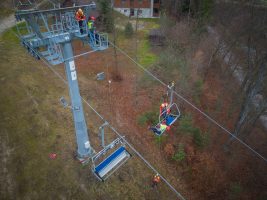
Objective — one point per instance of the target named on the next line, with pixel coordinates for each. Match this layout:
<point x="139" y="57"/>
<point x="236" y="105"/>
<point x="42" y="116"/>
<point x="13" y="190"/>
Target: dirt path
<point x="10" y="21"/>
<point x="7" y="23"/>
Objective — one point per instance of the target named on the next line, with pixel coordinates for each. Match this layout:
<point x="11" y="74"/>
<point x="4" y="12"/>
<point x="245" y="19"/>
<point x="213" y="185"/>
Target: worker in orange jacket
<point x="80" y="17"/>
<point x="156" y="180"/>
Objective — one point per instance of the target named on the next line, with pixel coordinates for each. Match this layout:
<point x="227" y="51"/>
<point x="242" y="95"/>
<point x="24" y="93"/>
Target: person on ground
<point x="156" y="180"/>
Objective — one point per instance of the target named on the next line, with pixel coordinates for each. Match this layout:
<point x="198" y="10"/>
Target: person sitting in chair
<point x="160" y="128"/>
<point x="164" y="110"/>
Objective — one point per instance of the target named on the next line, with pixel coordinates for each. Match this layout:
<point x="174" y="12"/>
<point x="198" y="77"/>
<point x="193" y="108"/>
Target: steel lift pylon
<point x="48" y="34"/>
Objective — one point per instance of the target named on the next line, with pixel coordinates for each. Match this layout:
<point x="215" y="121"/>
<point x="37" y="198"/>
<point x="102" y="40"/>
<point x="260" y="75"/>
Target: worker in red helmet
<point x="80" y="17"/>
<point x="90" y="23"/>
<point x="93" y="35"/>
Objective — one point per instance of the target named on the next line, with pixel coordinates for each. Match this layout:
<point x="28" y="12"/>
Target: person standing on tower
<point x="80" y="17"/>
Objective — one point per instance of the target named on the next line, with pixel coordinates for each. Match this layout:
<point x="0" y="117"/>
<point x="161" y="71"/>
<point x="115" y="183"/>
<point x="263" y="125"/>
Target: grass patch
<point x="200" y="139"/>
<point x="149" y="23"/>
<point x="146" y="58"/>
<point x="147" y="82"/>
<point x="197" y="88"/>
<point x="159" y="140"/>
<point x="10" y="36"/>
<point x="4" y="12"/>
<point x="180" y="154"/>
<point x="235" y="191"/>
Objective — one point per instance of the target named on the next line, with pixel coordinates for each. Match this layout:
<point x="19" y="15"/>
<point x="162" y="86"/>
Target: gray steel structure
<point x="48" y="34"/>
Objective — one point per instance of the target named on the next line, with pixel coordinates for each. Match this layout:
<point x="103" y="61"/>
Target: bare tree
<point x="253" y="87"/>
<point x="116" y="76"/>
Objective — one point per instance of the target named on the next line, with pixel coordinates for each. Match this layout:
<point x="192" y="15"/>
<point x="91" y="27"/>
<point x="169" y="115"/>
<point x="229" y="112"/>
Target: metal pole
<point x="171" y="88"/>
<point x="84" y="148"/>
<point x="102" y="134"/>
<point x="103" y="137"/>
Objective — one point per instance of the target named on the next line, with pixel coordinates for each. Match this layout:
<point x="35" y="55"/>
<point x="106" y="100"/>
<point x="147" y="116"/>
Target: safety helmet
<point x="164" y="104"/>
<point x="80" y="11"/>
<point x="93" y="18"/>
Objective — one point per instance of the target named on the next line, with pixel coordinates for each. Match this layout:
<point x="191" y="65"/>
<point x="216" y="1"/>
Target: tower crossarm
<point x="58" y="24"/>
<point x="23" y="13"/>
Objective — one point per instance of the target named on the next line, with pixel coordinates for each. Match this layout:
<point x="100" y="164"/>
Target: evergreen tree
<point x="128" y="30"/>
<point x="106" y="13"/>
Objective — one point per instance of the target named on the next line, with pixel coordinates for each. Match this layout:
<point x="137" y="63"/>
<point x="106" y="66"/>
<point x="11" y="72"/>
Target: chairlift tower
<point x="48" y="34"/>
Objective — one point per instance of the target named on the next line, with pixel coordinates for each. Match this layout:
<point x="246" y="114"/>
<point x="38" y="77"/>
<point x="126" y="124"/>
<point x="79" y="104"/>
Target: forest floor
<point x="33" y="125"/>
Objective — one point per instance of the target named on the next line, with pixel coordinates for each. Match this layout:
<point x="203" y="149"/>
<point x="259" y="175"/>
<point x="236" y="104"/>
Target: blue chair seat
<point x="112" y="161"/>
<point x="170" y="119"/>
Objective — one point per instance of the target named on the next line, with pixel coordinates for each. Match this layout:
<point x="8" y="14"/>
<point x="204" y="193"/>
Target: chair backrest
<point x="112" y="162"/>
<point x="173" y="115"/>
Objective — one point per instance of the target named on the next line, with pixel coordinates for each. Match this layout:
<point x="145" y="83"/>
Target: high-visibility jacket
<point x="79" y="16"/>
<point x="156" y="179"/>
<point x="90" y="24"/>
<point x="163" y="127"/>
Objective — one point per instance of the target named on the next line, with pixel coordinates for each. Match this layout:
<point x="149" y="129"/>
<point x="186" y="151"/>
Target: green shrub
<point x="186" y="125"/>
<point x="106" y="12"/>
<point x="148" y="118"/>
<point x="180" y="154"/>
<point x="235" y="190"/>
<point x="128" y="30"/>
<point x="142" y="120"/>
<point x="200" y="139"/>
<point x="206" y="9"/>
<point x="197" y="91"/>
